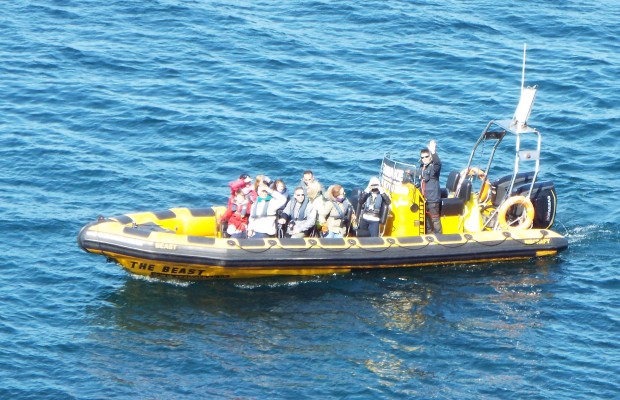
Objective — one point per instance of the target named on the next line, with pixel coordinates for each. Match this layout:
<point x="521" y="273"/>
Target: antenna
<point x="524" y="108"/>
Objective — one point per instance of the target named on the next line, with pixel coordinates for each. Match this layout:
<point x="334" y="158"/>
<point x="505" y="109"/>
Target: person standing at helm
<point x="430" y="168"/>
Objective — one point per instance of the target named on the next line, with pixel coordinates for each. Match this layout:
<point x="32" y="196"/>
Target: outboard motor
<point x="544" y="199"/>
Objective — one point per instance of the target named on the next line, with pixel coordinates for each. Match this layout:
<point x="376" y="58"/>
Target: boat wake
<point x="282" y="282"/>
<point x="169" y="281"/>
<point x="599" y="232"/>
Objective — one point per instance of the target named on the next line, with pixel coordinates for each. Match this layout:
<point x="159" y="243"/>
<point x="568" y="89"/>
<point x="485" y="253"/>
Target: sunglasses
<point x="426" y="156"/>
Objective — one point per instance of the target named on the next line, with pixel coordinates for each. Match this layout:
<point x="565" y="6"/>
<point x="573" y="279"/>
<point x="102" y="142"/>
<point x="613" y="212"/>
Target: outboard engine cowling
<point x="544" y="199"/>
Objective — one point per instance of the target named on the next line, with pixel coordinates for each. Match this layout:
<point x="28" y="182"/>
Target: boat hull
<point x="170" y="253"/>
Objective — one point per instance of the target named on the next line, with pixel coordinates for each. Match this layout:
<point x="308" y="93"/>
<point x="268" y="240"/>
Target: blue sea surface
<point x="122" y="106"/>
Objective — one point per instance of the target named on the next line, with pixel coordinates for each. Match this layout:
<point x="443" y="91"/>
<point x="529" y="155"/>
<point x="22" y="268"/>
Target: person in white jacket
<point x="263" y="214"/>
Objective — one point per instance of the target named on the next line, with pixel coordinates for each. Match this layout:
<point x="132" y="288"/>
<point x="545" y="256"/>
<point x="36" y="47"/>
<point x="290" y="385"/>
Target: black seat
<point x="453" y="181"/>
<point x="451" y="206"/>
<point x="464" y="192"/>
<point x="454" y="205"/>
<point x="451" y="184"/>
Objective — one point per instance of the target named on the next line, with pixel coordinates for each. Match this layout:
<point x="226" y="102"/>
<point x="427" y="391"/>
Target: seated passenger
<point x="280" y="187"/>
<point x="237" y="215"/>
<point x="307" y="180"/>
<point x="263" y="214"/>
<point x="315" y="197"/>
<point x="257" y="182"/>
<point x="373" y="201"/>
<point x="337" y="210"/>
<point x="299" y="216"/>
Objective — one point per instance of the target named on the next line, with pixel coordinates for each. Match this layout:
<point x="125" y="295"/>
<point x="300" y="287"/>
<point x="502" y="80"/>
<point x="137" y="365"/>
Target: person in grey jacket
<point x="299" y="215"/>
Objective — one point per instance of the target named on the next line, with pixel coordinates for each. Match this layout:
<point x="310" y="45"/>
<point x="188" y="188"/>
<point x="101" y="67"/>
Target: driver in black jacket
<point x="430" y="168"/>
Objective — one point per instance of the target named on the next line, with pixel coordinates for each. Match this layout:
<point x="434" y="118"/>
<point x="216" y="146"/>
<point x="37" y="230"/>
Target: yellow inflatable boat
<point x="183" y="243"/>
<point x="483" y="220"/>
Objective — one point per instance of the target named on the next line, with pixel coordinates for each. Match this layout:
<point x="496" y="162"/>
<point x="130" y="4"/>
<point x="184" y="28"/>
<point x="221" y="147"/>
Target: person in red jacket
<point x="237" y="215"/>
<point x="244" y="183"/>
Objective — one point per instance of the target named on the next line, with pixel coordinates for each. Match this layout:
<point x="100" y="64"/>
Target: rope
<point x="391" y="243"/>
<point x="543" y="235"/>
<point x="415" y="248"/>
<point x="338" y="250"/>
<point x="566" y="232"/>
<point x="506" y="236"/>
<point x="235" y="243"/>
<point x="312" y="245"/>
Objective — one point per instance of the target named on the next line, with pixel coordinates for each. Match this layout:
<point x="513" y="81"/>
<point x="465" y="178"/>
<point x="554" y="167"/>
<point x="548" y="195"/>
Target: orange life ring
<point x="474" y="171"/>
<point x="525" y="223"/>
<point x="485" y="189"/>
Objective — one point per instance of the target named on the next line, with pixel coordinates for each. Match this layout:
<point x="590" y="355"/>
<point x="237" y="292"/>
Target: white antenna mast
<point x="522" y="113"/>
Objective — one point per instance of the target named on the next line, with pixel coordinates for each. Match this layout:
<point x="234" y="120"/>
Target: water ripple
<point x="129" y="106"/>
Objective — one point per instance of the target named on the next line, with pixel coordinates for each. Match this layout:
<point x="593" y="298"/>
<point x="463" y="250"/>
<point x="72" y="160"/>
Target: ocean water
<point x="121" y="106"/>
